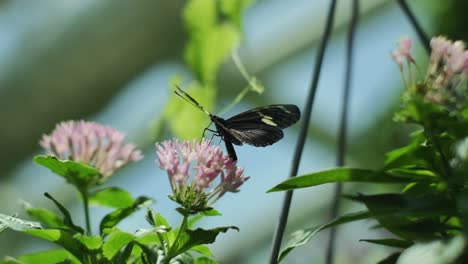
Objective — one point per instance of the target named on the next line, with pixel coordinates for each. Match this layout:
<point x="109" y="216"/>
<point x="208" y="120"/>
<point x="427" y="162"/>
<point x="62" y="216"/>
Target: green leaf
<point x="113" y="197"/>
<point x="10" y="260"/>
<point x="211" y="212"/>
<point x="407" y="204"/>
<point x="190" y="238"/>
<point x="209" y="42"/>
<point x="113" y="218"/>
<point x="301" y="237"/>
<point x="414" y="174"/>
<point x="150" y="256"/>
<point x="49" y="256"/>
<point x="116" y="240"/>
<point x="67" y="219"/>
<point x="89" y="242"/>
<point x="436" y="252"/>
<point x="76" y="173"/>
<point x="185" y="120"/>
<point x="205" y="260"/>
<point x="169" y="236"/>
<point x="391" y="259"/>
<point x="59" y="237"/>
<point x="408" y="216"/>
<point x="17" y="224"/>
<point x="234" y="9"/>
<point x="340" y="175"/>
<point x="416" y="154"/>
<point x="204" y="250"/>
<point x="391" y="242"/>
<point x="46" y="217"/>
<point x="124" y="255"/>
<point x="206" y="51"/>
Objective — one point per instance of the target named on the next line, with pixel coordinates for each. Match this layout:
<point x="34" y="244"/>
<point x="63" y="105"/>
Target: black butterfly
<point x="259" y="127"/>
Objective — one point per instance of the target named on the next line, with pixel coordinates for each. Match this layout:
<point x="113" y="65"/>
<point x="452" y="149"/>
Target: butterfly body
<point x="259" y="127"/>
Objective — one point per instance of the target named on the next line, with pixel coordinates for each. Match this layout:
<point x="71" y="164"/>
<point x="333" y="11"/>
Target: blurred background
<point x="112" y="61"/>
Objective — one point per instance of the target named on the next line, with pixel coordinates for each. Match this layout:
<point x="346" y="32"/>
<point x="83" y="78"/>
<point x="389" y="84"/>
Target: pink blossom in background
<point x="99" y="146"/>
<point x="447" y="71"/>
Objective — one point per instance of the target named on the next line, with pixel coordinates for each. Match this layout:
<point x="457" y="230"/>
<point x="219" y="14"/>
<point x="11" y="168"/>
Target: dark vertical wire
<point x="283" y="219"/>
<point x="343" y="126"/>
<point x="419" y="30"/>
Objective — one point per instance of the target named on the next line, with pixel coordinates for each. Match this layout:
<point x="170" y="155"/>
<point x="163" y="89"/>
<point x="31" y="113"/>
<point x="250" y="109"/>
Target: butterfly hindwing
<point x="280" y="116"/>
<point x="256" y="135"/>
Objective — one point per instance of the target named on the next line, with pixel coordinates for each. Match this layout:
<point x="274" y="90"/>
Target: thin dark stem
<point x="419" y="30"/>
<point x="283" y="219"/>
<point x="84" y="195"/>
<point x="343" y="127"/>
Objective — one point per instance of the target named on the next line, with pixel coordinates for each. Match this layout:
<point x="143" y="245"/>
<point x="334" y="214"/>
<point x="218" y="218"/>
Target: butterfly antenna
<point x="182" y="94"/>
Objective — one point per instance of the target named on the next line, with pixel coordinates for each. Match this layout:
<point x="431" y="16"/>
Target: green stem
<point x="84" y="195"/>
<point x="252" y="85"/>
<point x="443" y="159"/>
<point x="182" y="228"/>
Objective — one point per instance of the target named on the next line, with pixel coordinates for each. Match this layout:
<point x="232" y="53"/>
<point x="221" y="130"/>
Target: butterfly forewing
<point x="280" y="116"/>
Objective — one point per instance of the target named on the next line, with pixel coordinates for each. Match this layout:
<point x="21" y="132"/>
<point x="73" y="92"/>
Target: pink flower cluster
<point x="207" y="161"/>
<point x="447" y="71"/>
<point x="99" y="146"/>
<point x="448" y="60"/>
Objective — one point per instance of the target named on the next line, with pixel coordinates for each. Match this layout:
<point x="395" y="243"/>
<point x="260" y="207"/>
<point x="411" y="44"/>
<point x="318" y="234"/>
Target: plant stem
<point x="422" y="36"/>
<point x="84" y="195"/>
<point x="283" y="218"/>
<point x="343" y="127"/>
<point x="182" y="228"/>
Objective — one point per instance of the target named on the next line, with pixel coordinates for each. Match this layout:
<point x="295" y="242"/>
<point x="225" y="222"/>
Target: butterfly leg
<point x="208" y="128"/>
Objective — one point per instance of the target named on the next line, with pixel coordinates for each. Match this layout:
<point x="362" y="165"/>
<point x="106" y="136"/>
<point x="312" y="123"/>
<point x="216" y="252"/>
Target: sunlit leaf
<point x="59" y="237"/>
<point x="340" y="175"/>
<point x="116" y="240"/>
<point x="204" y="250"/>
<point x="90" y="242"/>
<point x="46" y="217"/>
<point x="169" y="236"/>
<point x="48" y="256"/>
<point x="113" y="197"/>
<point x="75" y="173"/>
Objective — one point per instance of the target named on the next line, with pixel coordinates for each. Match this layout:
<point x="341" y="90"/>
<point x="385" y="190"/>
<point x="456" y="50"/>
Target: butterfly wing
<point x="261" y="126"/>
<point x="256" y="135"/>
<point x="279" y="116"/>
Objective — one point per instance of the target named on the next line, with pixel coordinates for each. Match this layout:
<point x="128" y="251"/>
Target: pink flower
<point x="440" y="47"/>
<point x="99" y="146"/>
<point x="403" y="52"/>
<point x="456" y="59"/>
<point x="207" y="162"/>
